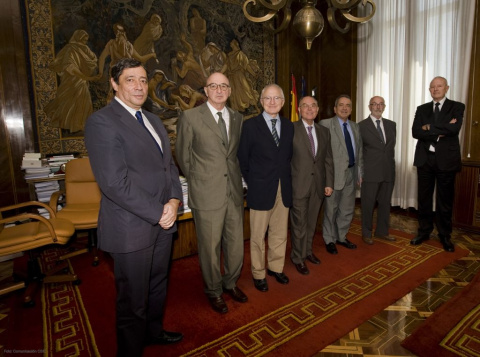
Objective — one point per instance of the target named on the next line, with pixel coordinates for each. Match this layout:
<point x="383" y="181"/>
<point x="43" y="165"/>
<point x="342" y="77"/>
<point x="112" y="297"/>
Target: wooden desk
<point x="185" y="243"/>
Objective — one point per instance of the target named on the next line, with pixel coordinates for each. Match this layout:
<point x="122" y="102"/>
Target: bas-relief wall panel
<point x="72" y="44"/>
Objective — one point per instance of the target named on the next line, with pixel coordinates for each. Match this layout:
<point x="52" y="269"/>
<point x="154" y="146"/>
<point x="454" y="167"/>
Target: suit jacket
<point x="306" y="169"/>
<point x="340" y="153"/>
<point x="447" y="148"/>
<point x="134" y="178"/>
<point x="264" y="164"/>
<point x="210" y="166"/>
<point x="378" y="158"/>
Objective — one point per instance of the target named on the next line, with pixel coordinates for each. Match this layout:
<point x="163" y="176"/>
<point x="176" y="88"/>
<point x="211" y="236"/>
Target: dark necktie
<point x="437" y="111"/>
<point x="379" y="129"/>
<point x="348" y="141"/>
<point x="223" y="128"/>
<point x="139" y="117"/>
<point x="274" y="132"/>
<point x="312" y="142"/>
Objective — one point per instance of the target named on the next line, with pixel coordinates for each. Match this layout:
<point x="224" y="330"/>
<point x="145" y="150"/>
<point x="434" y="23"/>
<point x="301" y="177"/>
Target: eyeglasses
<point x="222" y="86"/>
<point x="312" y="106"/>
<point x="377" y="104"/>
<point x="275" y="99"/>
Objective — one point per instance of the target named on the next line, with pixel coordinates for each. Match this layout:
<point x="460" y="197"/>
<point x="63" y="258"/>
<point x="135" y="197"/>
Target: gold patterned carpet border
<point x="277" y="328"/>
<point x="66" y="327"/>
<point x="463" y="339"/>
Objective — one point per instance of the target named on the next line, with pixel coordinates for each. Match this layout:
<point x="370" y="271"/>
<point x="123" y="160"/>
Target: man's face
<point x="377" y="106"/>
<point x="218" y="96"/>
<point x="308" y="109"/>
<point x="272" y="101"/>
<point x="343" y="108"/>
<point x="132" y="87"/>
<point x="438" y="89"/>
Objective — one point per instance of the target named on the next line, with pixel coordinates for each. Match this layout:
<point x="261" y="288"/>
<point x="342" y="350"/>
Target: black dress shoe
<point x="218" y="304"/>
<point x="261" y="284"/>
<point x="302" y="268"/>
<point x="447" y="244"/>
<point x="419" y="240"/>
<point x="165" y="338"/>
<point x="236" y="294"/>
<point x="331" y="248"/>
<point x="280" y="277"/>
<point x="313" y="259"/>
<point x="347" y="244"/>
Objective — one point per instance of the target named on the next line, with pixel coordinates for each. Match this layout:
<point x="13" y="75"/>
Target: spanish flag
<point x="294" y="105"/>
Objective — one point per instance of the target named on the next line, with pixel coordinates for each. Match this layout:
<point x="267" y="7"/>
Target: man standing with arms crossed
<point x="348" y="162"/>
<point x="312" y="180"/>
<point x="438" y="159"/>
<point x="265" y="153"/>
<point x="378" y="136"/>
<point x="132" y="162"/>
<point x="206" y="150"/>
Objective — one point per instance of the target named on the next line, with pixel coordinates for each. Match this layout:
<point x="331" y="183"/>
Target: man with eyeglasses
<point x="206" y="151"/>
<point x="265" y="153"/>
<point x="378" y="137"/>
<point x="348" y="163"/>
<point x="312" y="180"/>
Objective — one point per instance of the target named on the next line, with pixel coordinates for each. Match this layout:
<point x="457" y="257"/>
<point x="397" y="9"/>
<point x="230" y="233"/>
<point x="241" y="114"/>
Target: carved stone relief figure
<point x="190" y="70"/>
<point x="198" y="31"/>
<point x="213" y="59"/>
<point x="238" y="66"/>
<point x="75" y="65"/>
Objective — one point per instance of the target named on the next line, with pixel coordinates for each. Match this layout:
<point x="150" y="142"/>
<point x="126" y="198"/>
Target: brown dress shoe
<point x="367" y="240"/>
<point x="387" y="237"/>
<point x="236" y="294"/>
<point x="302" y="269"/>
<point x="313" y="259"/>
<point x="218" y="304"/>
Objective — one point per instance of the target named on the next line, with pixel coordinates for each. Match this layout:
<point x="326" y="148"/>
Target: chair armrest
<point x="37" y="217"/>
<point x="29" y="204"/>
<point x="54" y="200"/>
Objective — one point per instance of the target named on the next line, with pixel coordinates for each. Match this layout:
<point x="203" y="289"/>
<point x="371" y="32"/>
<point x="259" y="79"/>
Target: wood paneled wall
<point x="16" y="123"/>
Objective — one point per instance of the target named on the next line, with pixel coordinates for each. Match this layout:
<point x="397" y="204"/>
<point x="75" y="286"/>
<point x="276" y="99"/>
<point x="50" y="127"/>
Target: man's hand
<point x="169" y="215"/>
<point x="426" y="127"/>
<point x="328" y="191"/>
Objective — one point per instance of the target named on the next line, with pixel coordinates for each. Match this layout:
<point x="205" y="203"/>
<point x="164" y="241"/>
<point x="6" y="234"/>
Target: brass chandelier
<point x="308" y="22"/>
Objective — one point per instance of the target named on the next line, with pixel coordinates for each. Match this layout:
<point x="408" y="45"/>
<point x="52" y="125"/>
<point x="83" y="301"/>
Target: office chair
<point x="27" y="231"/>
<point x="82" y="203"/>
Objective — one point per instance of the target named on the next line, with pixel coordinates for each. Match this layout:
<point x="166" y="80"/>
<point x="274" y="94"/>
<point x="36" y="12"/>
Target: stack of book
<point x="45" y="189"/>
<point x="57" y="160"/>
<point x="184" y="208"/>
<point x="34" y="166"/>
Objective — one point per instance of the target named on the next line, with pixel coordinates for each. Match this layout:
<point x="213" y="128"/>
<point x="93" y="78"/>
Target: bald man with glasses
<point x="206" y="151"/>
<point x="379" y="136"/>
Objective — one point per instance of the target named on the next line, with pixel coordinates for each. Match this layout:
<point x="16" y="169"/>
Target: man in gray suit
<point x="348" y="163"/>
<point x="312" y="180"/>
<point x="206" y="150"/>
<point x="132" y="162"/>
<point x="378" y="136"/>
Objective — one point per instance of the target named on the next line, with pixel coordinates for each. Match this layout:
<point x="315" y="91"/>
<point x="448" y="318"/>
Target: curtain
<point x="404" y="46"/>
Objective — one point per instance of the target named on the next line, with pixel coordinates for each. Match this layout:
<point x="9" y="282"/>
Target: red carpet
<point x="297" y="319"/>
<point x="453" y="329"/>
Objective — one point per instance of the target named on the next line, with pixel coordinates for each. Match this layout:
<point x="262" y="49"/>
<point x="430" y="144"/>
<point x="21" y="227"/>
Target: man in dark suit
<point x="312" y="180"/>
<point x="348" y="162"/>
<point x="132" y="162"/>
<point x="438" y="159"/>
<point x="378" y="136"/>
<point x="206" y="150"/>
<point x="265" y="152"/>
